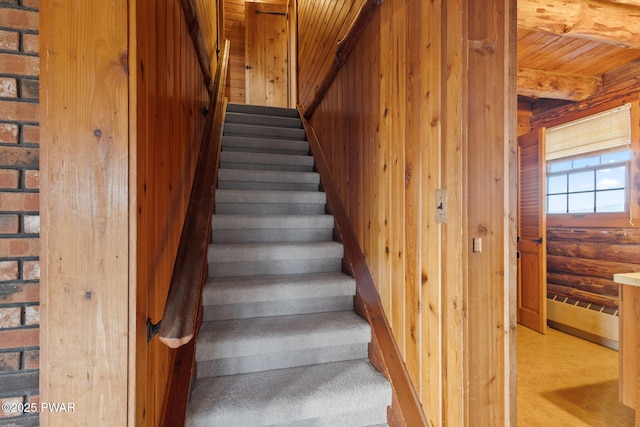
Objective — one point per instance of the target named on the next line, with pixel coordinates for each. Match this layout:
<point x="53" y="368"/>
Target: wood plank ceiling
<point x="566" y="48"/>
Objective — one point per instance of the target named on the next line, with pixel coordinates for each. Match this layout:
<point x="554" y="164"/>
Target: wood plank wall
<point x="85" y="255"/>
<point x="208" y="16"/>
<point x="234" y="27"/>
<point x="168" y="112"/>
<point x="234" y="32"/>
<point x="393" y="127"/>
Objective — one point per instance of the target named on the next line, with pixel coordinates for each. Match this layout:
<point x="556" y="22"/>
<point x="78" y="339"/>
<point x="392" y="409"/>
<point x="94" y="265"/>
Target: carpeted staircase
<point x="280" y="343"/>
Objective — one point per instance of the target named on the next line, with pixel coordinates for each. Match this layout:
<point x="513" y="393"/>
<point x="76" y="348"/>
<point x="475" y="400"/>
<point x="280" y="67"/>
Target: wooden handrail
<point x="189" y="11"/>
<point x="343" y="49"/>
<point x="367" y="296"/>
<point x="179" y="321"/>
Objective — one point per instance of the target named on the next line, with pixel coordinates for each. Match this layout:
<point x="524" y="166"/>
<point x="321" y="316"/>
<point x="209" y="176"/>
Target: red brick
<point x="31" y="134"/>
<point x="19" y="19"/>
<point x="9" y="361"/>
<point x="19" y="64"/>
<point x="19" y="111"/>
<point x="10" y="317"/>
<point x="19" y="157"/>
<point x="32" y="180"/>
<point x="8" y="133"/>
<point x="30" y="89"/>
<point x="19" y="338"/>
<point x="9" y="224"/>
<point x="31" y="224"/>
<point x="31" y="43"/>
<point x="31" y="270"/>
<point x="19" y="247"/>
<point x="35" y="4"/>
<point x="9" y="178"/>
<point x="32" y="315"/>
<point x="4" y="413"/>
<point x="34" y="398"/>
<point x="31" y="359"/>
<point x="9" y="40"/>
<point x="8" y="271"/>
<point x="19" y="201"/>
<point x="8" y="87"/>
<point x="19" y="293"/>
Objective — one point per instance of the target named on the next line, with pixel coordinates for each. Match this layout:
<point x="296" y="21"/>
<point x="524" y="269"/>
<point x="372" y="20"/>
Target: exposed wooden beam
<point x="610" y="22"/>
<point x="546" y="84"/>
<point x="631" y="2"/>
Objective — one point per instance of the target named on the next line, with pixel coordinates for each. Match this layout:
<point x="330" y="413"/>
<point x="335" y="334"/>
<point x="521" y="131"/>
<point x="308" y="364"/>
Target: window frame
<point x="631" y="218"/>
<point x="595" y="190"/>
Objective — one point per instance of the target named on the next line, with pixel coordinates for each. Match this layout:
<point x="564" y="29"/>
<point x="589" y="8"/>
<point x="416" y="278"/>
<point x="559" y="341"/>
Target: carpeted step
<point x="277" y="295"/>
<point x="229" y="347"/>
<point x="262" y="109"/>
<point x="271" y="228"/>
<point x="240" y="179"/>
<point x="264" y="145"/>
<point x="262" y="161"/>
<point x="253" y="259"/>
<point x="263" y="120"/>
<point x="269" y="132"/>
<point x="344" y="393"/>
<point x="254" y="202"/>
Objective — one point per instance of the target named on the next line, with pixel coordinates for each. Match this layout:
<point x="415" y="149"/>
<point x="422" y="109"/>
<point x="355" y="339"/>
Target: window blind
<point x="608" y="130"/>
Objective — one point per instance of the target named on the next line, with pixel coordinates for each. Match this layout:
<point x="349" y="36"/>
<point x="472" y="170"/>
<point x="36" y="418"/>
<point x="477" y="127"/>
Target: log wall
<point x="395" y="127"/>
<point x="169" y="115"/>
<point x="581" y="262"/>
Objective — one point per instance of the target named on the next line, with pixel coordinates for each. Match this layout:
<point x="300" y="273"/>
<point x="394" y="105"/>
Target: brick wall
<point x="19" y="211"/>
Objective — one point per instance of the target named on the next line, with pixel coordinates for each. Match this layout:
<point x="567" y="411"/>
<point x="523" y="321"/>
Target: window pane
<point x="620" y="156"/>
<point x="581" y="202"/>
<point x="610" y="201"/>
<point x="560" y="166"/>
<point x="557" y="184"/>
<point x="589" y="161"/>
<point x="582" y="181"/>
<point x="610" y="178"/>
<point x="557" y="204"/>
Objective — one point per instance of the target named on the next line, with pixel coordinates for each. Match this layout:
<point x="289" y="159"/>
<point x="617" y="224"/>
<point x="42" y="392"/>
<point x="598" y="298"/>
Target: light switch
<point x="477" y="245"/>
<point x="441" y="206"/>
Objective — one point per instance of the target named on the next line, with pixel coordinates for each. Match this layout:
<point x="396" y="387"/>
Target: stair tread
<point x="287" y="395"/>
<point x="262" y="109"/>
<point x="242" y="175"/>
<point x="278" y="334"/>
<point x="264" y="158"/>
<point x="247" y="252"/>
<point x="252" y="222"/>
<point x="264" y="132"/>
<point x="236" y="290"/>
<point x="270" y="196"/>
<point x="263" y="119"/>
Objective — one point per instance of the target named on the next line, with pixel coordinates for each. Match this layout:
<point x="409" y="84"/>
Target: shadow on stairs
<point x="280" y="343"/>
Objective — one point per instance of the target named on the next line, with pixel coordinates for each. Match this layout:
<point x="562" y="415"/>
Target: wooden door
<point x="266" y="54"/>
<point x="532" y="262"/>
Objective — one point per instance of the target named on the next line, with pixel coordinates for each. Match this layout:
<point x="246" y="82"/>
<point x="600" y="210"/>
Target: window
<point x="588" y="163"/>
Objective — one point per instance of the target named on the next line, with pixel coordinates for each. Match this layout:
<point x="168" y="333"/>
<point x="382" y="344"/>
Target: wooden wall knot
<point x="483" y="47"/>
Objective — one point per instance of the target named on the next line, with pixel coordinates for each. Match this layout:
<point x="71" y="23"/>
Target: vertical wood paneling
<point x="234" y="32"/>
<point x="234" y="27"/>
<point x="171" y="97"/>
<point x="431" y="305"/>
<point x="84" y="188"/>
<point x="387" y="165"/>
